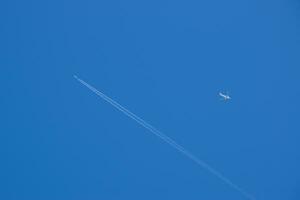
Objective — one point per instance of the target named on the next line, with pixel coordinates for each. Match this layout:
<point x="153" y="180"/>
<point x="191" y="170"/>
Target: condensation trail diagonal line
<point x="167" y="139"/>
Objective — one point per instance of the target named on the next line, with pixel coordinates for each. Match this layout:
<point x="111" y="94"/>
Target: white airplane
<point x="224" y="96"/>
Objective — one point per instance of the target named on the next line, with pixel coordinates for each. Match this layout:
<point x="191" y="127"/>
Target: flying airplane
<point x="224" y="96"/>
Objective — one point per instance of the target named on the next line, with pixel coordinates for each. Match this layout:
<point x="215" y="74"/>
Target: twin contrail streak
<point x="167" y="139"/>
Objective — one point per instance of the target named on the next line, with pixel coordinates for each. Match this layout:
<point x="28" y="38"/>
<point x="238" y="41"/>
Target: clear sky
<point x="165" y="61"/>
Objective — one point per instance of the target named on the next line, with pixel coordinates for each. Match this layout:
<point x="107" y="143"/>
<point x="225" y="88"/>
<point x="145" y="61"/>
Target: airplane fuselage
<point x="225" y="96"/>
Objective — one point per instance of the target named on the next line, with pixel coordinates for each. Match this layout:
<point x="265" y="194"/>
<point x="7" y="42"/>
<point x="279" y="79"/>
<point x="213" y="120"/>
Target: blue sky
<point x="165" y="61"/>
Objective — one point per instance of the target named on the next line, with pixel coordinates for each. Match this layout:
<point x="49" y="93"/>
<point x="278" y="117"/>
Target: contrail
<point x="167" y="139"/>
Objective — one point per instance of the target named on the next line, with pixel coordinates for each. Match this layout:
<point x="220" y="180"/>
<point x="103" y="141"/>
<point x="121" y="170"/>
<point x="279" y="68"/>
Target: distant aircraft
<point x="224" y="96"/>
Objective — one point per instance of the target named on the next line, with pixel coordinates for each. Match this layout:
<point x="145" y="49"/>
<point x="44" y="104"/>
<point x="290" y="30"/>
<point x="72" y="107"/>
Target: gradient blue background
<point x="165" y="61"/>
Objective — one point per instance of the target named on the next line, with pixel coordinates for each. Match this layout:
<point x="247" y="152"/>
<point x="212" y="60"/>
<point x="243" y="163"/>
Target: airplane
<point x="224" y="96"/>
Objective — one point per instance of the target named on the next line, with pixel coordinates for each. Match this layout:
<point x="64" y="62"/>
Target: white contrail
<point x="167" y="139"/>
